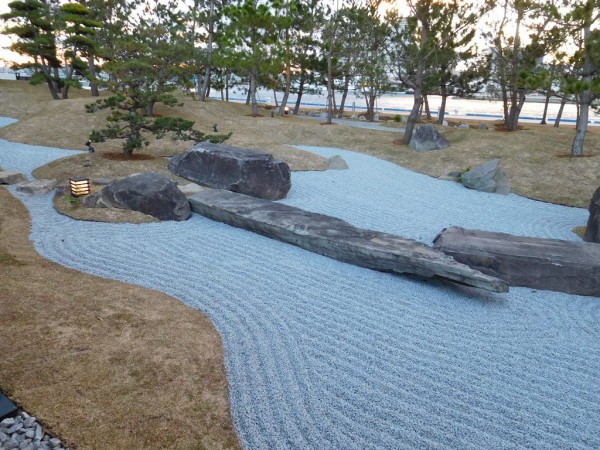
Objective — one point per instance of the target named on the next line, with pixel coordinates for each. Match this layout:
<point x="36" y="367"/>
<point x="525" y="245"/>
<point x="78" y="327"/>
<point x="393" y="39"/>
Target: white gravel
<point x="322" y="354"/>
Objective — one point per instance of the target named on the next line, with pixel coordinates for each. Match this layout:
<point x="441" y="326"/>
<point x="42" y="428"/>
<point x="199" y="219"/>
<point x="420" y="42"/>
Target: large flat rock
<point x="237" y="169"/>
<point x="337" y="239"/>
<point x="549" y="264"/>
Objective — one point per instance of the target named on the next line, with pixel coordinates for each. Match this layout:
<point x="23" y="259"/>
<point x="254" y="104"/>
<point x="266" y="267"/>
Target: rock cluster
<point x="24" y="432"/>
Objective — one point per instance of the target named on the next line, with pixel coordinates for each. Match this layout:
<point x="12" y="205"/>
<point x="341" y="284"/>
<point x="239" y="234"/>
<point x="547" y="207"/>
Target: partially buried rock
<point x="487" y="177"/>
<point x="37" y="187"/>
<point x="551" y="264"/>
<point x="149" y="193"/>
<point x="235" y="169"/>
<point x="427" y="138"/>
<point x="336" y="162"/>
<point x="592" y="232"/>
<point x="7" y="177"/>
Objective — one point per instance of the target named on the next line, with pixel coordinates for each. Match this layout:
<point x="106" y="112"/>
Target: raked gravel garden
<point x="322" y="354"/>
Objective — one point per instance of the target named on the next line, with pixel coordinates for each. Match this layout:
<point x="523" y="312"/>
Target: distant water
<point x="455" y="107"/>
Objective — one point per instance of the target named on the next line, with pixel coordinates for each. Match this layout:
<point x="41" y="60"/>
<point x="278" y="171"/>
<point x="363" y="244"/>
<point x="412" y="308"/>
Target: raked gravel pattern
<point x="325" y="355"/>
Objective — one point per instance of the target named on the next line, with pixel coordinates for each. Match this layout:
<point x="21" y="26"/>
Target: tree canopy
<point x="146" y="49"/>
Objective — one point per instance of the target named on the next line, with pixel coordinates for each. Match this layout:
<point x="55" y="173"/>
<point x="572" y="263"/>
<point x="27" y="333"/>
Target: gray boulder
<point x="149" y="193"/>
<point x="549" y="264"/>
<point x="463" y="125"/>
<point x="487" y="177"/>
<point x="592" y="232"/>
<point x="236" y="169"/>
<point x="483" y="126"/>
<point x="336" y="162"/>
<point x="37" y="187"/>
<point x="427" y="138"/>
<point x="7" y="177"/>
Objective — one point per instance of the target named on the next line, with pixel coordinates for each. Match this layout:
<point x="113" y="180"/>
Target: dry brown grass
<point x="104" y="364"/>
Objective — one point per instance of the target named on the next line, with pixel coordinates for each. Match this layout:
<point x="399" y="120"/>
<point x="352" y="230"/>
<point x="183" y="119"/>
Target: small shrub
<point x="397" y="118"/>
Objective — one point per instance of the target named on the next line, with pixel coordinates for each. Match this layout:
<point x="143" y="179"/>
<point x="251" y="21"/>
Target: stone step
<point x="37" y="187"/>
<point x="337" y="239"/>
<point x="549" y="264"/>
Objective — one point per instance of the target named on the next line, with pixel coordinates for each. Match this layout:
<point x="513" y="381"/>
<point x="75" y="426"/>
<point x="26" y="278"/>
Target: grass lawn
<point x="107" y="365"/>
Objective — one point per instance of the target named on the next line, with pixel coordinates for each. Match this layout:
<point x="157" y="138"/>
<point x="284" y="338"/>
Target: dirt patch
<point x="69" y="206"/>
<point x="114" y="156"/>
<point x="569" y="155"/>
<point x="101" y="363"/>
<point x="502" y="127"/>
<point x="580" y="231"/>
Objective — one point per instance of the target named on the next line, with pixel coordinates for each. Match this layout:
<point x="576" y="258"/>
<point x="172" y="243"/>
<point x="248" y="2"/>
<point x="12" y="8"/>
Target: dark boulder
<point x="235" y="169"/>
<point x="592" y="232"/>
<point x="426" y="138"/>
<point x="149" y="193"/>
<point x="549" y="264"/>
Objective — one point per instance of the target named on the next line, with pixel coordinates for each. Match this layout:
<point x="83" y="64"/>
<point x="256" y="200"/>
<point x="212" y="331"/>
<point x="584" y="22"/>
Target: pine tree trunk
<point x="563" y="102"/>
<point x="442" y="112"/>
<point x="52" y="88"/>
<point x="426" y="105"/>
<point x="585" y="98"/>
<point x="203" y="92"/>
<point x="505" y="105"/>
<point x="275" y="97"/>
<point x="329" y="86"/>
<point x="92" y="69"/>
<point x="253" y="81"/>
<point x="516" y="106"/>
<point x="300" y="93"/>
<point x="288" y="86"/>
<point x="581" y="130"/>
<point x="227" y="85"/>
<point x="413" y="116"/>
<point x="543" y="122"/>
<point x="344" y="95"/>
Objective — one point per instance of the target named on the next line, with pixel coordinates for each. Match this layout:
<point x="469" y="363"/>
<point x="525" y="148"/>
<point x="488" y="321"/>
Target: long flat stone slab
<point x="548" y="264"/>
<point x="332" y="237"/>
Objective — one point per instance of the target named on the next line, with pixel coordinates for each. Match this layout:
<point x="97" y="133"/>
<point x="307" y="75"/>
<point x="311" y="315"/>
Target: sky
<point x="5" y="40"/>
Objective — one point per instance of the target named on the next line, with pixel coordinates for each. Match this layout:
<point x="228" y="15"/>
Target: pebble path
<point x="322" y="354"/>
